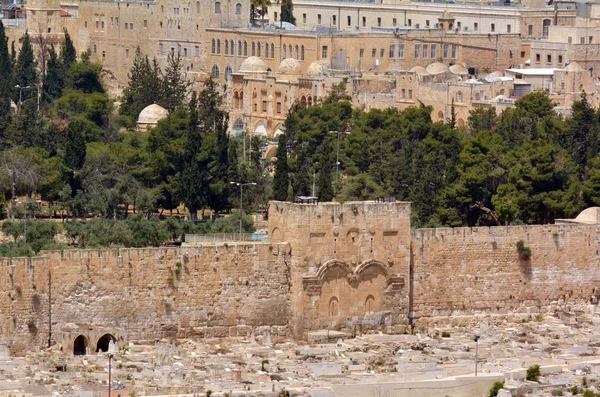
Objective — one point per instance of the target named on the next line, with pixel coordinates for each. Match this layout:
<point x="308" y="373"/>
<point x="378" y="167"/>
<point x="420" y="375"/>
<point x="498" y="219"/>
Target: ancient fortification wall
<point x="346" y="267"/>
<point x="145" y="294"/>
<point x="468" y="271"/>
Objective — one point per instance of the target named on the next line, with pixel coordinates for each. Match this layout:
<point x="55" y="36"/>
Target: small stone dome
<point x="290" y="66"/>
<point x="253" y="65"/>
<point x="317" y="68"/>
<point x="459" y="70"/>
<point x="437" y="68"/>
<point x="150" y="115"/>
<point x="420" y="70"/>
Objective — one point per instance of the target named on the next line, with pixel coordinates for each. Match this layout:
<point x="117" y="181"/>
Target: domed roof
<point x="588" y="215"/>
<point x="317" y="68"/>
<point x="573" y="67"/>
<point x="437" y="68"/>
<point x="420" y="70"/>
<point x="253" y="65"/>
<point x="459" y="69"/>
<point x="290" y="66"/>
<point x="152" y="113"/>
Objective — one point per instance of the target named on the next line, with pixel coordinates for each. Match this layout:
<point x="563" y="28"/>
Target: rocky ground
<point x="565" y="346"/>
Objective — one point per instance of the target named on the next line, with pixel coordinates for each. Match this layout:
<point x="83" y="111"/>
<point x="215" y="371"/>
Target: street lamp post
<point x="477" y="336"/>
<point x="21" y="94"/>
<point x="241" y="185"/>
<point x="337" y="156"/>
<point x="110" y="356"/>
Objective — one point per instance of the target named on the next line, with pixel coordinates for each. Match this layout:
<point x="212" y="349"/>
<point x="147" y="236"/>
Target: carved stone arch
<point x="332" y="264"/>
<point x="373" y="262"/>
<point x="276" y="235"/>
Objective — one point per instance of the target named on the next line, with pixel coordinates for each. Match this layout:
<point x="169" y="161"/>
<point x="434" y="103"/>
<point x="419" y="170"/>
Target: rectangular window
<point x="458" y="25"/>
<point x="522" y="54"/>
<point x="582" y="40"/>
<point x="493" y="27"/>
<point x="349" y="20"/>
<point x="130" y="26"/>
<point x="102" y="24"/>
<point x="400" y="50"/>
<point x="334" y="20"/>
<point x="549" y="58"/>
<point x="126" y="25"/>
<point x="403" y="93"/>
<point x="275" y="17"/>
<point x="94" y="48"/>
<point x="394" y="22"/>
<point x="197" y="51"/>
<point x="117" y="21"/>
<point x="85" y="24"/>
<point x="278" y="107"/>
<point x="303" y="18"/>
<point x="409" y="94"/>
<point x="364" y="22"/>
<point x="433" y="51"/>
<point x="570" y="40"/>
<point x="112" y="21"/>
<point x="362" y="52"/>
<point x="97" y="24"/>
<point x="185" y="52"/>
<point x="324" y="52"/>
<point x="382" y="53"/>
<point x="392" y="50"/>
<point x="379" y="21"/>
<point x="560" y="58"/>
<point x="160" y="49"/>
<point x="590" y="39"/>
<point x="425" y="51"/>
<point x="319" y="19"/>
<point x="538" y="58"/>
<point x="145" y="23"/>
<point x="454" y="51"/>
<point x="410" y="22"/>
<point x="508" y="28"/>
<point x="264" y="107"/>
<point x="445" y="50"/>
<point x="427" y="23"/>
<point x="127" y="53"/>
<point x="417" y="50"/>
<point x="198" y="7"/>
<point x="374" y="53"/>
<point x="475" y="26"/>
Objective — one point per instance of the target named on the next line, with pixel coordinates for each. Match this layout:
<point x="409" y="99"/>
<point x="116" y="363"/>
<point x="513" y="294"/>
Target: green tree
<point x="25" y="72"/>
<point x="5" y="80"/>
<point x="53" y="81"/>
<point x="281" y="180"/>
<point x="174" y="87"/>
<point x="324" y="185"/>
<point x="86" y="75"/>
<point x="287" y="12"/>
<point x="144" y="87"/>
<point x="75" y="148"/>
<point x="68" y="54"/>
<point x="583" y="132"/>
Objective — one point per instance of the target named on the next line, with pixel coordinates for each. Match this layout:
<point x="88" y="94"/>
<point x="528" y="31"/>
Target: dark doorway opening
<point x="79" y="346"/>
<point x="103" y="342"/>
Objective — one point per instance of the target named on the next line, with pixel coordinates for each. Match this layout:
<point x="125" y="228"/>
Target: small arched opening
<point x="104" y="341"/>
<point x="80" y="345"/>
<point x="370" y="304"/>
<point x="460" y="123"/>
<point x="310" y="101"/>
<point x="441" y="115"/>
<point x="334" y="307"/>
<point x="303" y="101"/>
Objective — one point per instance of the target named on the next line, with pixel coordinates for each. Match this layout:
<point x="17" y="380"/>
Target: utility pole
<point x="21" y="94"/>
<point x="49" y="307"/>
<point x="110" y="356"/>
<point x="477" y="336"/>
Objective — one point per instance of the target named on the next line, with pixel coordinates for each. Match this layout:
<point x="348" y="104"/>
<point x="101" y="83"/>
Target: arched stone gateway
<point x="104" y="342"/>
<point x="80" y="346"/>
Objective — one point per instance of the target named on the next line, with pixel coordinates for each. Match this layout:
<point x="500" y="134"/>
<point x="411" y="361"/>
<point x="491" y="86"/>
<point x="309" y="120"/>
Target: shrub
<point x="533" y="373"/>
<point x="589" y="393"/>
<point x="524" y="251"/>
<point x="538" y="318"/>
<point x="496" y="388"/>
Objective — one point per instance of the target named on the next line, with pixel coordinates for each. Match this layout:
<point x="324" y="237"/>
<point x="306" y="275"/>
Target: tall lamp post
<point x="110" y="357"/>
<point x="337" y="156"/>
<point x="476" y="339"/>
<point x="241" y="185"/>
<point x="21" y="94"/>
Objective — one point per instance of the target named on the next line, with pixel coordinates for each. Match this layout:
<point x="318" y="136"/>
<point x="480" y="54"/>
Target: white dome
<point x="152" y="113"/>
<point x="317" y="68"/>
<point x="437" y="68"/>
<point x="290" y="66"/>
<point x="253" y="65"/>
<point x="459" y="69"/>
<point x="420" y="70"/>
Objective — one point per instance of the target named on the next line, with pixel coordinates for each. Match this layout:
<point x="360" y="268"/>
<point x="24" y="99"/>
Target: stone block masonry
<point x="344" y="267"/>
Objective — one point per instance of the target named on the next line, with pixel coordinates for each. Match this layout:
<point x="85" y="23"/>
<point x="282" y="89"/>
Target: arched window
<point x="238" y="127"/>
<point x="302" y="53"/>
<point x="240" y="48"/>
<point x="272" y="50"/>
<point x="236" y="100"/>
<point x="303" y="101"/>
<point x="226" y="47"/>
<point x="334" y="307"/>
<point x="238" y="9"/>
<point x="253" y="49"/>
<point x="245" y="48"/>
<point x="241" y="99"/>
<point x="370" y="304"/>
<point x="218" y="46"/>
<point x="104" y="343"/>
<point x="459" y="96"/>
<point x="310" y="101"/>
<point x="530" y="30"/>
<point x="258" y="50"/>
<point x="284" y="52"/>
<point x="228" y="72"/>
<point x="214" y="73"/>
<point x="297" y="53"/>
<point x="214" y="46"/>
<point x="197" y="7"/>
<point x="217" y="8"/>
<point x="266" y="50"/>
<point x="231" y="47"/>
<point x="290" y="50"/>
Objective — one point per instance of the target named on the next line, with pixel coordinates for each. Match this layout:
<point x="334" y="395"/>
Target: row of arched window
<point x="238" y="8"/>
<point x="215" y="72"/>
<point x="256" y="49"/>
<point x="238" y="99"/>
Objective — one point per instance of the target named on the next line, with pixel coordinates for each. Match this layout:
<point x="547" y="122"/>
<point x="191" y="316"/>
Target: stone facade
<point x="331" y="266"/>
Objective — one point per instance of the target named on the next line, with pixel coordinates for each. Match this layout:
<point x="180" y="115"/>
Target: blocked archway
<point x="103" y="342"/>
<point x="80" y="345"/>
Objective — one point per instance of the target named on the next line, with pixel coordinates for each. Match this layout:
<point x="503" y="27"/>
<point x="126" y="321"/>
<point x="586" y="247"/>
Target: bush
<point x="496" y="388"/>
<point x="524" y="251"/>
<point x="589" y="393"/>
<point x="533" y="373"/>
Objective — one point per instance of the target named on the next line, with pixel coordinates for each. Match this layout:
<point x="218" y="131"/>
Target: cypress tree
<point x="287" y="12"/>
<point x="68" y="55"/>
<point x="53" y="83"/>
<point x="25" y="70"/>
<point x="281" y="179"/>
<point x="175" y="88"/>
<point x="324" y="186"/>
<point x="5" y="79"/>
<point x="302" y="177"/>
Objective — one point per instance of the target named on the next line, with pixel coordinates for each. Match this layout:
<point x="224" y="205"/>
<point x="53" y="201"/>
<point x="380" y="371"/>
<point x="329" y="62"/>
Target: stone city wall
<point x="469" y="271"/>
<point x="150" y="293"/>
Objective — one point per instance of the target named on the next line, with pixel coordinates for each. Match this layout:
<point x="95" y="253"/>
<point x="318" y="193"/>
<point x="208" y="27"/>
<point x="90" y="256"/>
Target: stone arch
<point x="104" y="342"/>
<point x="214" y="73"/>
<point x="372" y="262"/>
<point x="260" y="129"/>
<point x="303" y="101"/>
<point x="370" y="304"/>
<point x="441" y="115"/>
<point x="278" y="130"/>
<point x="334" y="307"/>
<point x="228" y="71"/>
<point x="238" y="127"/>
<point x="460" y="123"/>
<point x="276" y="235"/>
<point x="310" y="101"/>
<point x="80" y="345"/>
<point x="271" y="152"/>
<point x="236" y="101"/>
<point x="333" y="264"/>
